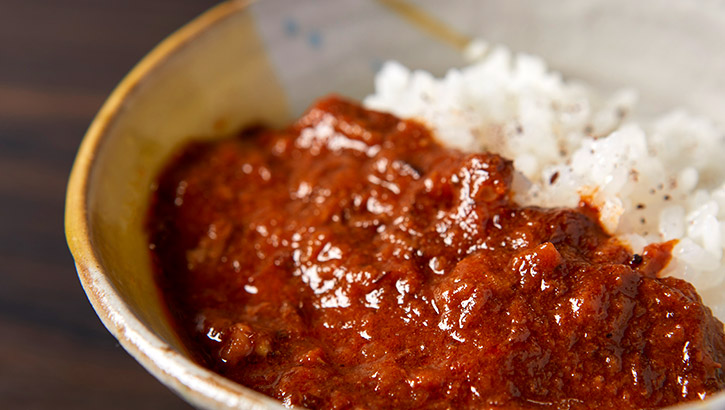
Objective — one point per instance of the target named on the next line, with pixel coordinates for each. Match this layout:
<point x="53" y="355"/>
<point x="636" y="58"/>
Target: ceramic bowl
<point x="245" y="62"/>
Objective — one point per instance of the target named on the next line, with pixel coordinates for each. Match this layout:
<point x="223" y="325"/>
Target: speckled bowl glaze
<point x="245" y="62"/>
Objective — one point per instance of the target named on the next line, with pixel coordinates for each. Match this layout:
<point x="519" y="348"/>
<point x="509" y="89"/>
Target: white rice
<point x="652" y="181"/>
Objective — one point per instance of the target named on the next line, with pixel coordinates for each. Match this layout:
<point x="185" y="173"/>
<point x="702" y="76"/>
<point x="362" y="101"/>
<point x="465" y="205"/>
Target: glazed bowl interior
<point x="242" y="63"/>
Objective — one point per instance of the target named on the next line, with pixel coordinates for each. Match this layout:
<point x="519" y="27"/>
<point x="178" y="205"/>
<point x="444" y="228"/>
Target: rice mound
<point x="652" y="181"/>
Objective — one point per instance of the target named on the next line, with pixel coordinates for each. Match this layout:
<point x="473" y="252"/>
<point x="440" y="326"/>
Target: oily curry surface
<point x="350" y="261"/>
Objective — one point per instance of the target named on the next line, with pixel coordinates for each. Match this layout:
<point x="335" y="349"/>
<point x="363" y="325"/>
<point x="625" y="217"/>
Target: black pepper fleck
<point x="554" y="177"/>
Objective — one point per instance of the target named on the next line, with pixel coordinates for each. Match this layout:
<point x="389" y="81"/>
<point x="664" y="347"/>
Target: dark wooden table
<point x="59" y="59"/>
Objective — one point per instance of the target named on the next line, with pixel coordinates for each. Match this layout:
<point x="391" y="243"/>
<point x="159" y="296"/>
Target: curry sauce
<point x="351" y="261"/>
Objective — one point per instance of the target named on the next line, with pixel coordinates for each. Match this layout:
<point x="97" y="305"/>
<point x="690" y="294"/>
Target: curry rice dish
<point x="351" y="261"/>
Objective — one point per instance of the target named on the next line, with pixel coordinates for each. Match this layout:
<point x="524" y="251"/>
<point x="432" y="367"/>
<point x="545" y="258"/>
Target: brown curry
<point x="351" y="261"/>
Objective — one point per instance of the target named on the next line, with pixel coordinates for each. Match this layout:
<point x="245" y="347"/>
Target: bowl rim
<point x="192" y="382"/>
